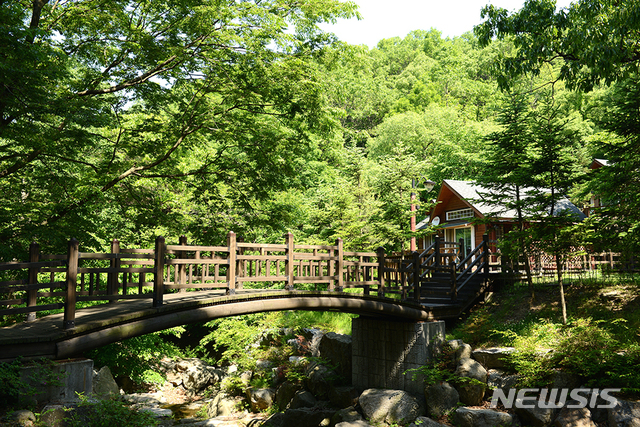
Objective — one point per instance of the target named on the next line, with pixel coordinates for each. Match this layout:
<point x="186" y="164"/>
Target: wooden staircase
<point x="442" y="275"/>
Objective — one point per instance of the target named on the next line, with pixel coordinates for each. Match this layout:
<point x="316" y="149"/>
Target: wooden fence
<point x="578" y="261"/>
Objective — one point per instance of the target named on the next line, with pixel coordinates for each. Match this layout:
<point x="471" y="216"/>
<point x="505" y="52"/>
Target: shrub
<point x="138" y="357"/>
<point x="108" y="413"/>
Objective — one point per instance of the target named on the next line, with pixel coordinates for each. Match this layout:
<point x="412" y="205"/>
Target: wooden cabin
<point x="459" y="210"/>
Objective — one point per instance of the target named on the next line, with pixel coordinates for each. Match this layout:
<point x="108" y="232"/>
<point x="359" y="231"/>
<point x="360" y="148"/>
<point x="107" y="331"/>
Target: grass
<point x="600" y="343"/>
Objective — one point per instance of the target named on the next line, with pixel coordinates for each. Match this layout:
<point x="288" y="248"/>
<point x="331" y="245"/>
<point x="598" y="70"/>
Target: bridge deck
<point x="105" y="323"/>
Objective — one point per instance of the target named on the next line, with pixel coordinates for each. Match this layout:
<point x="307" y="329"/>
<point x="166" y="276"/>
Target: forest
<point x="132" y="119"/>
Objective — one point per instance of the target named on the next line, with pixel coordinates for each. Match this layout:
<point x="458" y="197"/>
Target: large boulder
<point x="313" y="338"/>
<point x="497" y="379"/>
<point x="440" y="398"/>
<point x="197" y="378"/>
<point x="22" y="418"/>
<point x="425" y="422"/>
<point x="343" y="397"/>
<point x="493" y="358"/>
<point x="346" y="415"/>
<point x="337" y="349"/>
<point x="307" y="417"/>
<point x="460" y="350"/>
<point x="193" y="374"/>
<point x="303" y="399"/>
<point x="223" y="405"/>
<point x="536" y="416"/>
<point x="53" y="415"/>
<point x="390" y="406"/>
<point x="104" y="386"/>
<point x="320" y="380"/>
<point x="624" y="414"/>
<point x="261" y="398"/>
<point x="574" y="417"/>
<point x="274" y="420"/>
<point x="358" y="423"/>
<point x="471" y="392"/>
<point x="147" y="400"/>
<point x="468" y="417"/>
<point x="285" y="393"/>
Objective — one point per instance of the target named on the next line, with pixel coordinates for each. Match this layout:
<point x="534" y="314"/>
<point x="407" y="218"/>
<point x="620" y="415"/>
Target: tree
<point x="555" y="170"/>
<point x="104" y="101"/>
<point x="596" y="43"/>
<point x="596" y="40"/>
<point x="617" y="223"/>
<point x="506" y="174"/>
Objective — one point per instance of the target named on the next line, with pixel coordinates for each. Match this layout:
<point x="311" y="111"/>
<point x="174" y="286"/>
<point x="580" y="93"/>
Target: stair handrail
<point x="454" y="281"/>
<point x="466" y="270"/>
<point x="431" y="247"/>
<point x="482" y="260"/>
<point x="472" y="253"/>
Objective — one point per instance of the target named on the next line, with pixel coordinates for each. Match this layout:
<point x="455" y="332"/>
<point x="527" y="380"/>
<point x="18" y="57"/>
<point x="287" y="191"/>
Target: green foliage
<point x="598" y="344"/>
<point x="595" y="39"/>
<point x="233" y="385"/>
<point x="616" y="224"/>
<point x="138" y="358"/>
<point x="17" y="389"/>
<point x="147" y="120"/>
<point x="236" y="338"/>
<point x="11" y="384"/>
<point x="107" y="413"/>
<point x="442" y="368"/>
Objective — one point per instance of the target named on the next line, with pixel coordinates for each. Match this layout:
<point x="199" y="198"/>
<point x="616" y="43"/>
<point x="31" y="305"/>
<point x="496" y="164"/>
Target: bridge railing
<point x="51" y="282"/>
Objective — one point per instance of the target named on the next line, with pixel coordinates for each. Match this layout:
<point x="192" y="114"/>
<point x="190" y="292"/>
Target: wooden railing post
<point x="233" y="258"/>
<point x="331" y="267"/>
<point x="69" y="321"/>
<point x="416" y="276"/>
<point x="381" y="270"/>
<point x="463" y="253"/>
<point x="289" y="263"/>
<point x="485" y="254"/>
<point x="182" y="268"/>
<point x="114" y="265"/>
<point x="32" y="294"/>
<point x="454" y="281"/>
<point x="436" y="248"/>
<point x="158" y="276"/>
<point x="340" y="284"/>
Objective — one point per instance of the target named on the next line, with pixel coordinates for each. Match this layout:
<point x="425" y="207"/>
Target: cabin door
<point x="465" y="234"/>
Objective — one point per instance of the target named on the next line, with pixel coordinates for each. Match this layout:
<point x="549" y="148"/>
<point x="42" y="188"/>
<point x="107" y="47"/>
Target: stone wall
<point x="383" y="350"/>
<point x="58" y="382"/>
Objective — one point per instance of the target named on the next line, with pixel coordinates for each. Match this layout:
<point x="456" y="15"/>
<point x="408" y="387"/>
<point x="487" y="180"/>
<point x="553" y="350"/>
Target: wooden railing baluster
<point x="32" y="294"/>
<point x="231" y="268"/>
<point x="71" y="283"/>
<point x="158" y="281"/>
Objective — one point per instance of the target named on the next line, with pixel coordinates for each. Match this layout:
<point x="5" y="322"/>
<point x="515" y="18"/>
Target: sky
<point x="396" y="18"/>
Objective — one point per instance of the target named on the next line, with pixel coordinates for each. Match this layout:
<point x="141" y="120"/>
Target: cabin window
<point x="459" y="214"/>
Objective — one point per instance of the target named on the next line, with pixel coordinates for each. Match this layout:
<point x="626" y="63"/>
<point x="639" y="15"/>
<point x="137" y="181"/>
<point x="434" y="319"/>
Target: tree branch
<point x="35" y="18"/>
<point x="140" y="79"/>
<point x="19" y="165"/>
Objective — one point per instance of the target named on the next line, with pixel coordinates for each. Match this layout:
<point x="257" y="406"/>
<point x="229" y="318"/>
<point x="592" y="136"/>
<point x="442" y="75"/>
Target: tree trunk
<point x="563" y="304"/>
<point x="527" y="265"/>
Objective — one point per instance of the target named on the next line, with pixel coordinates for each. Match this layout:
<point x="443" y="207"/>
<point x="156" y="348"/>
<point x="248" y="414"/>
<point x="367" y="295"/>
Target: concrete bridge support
<point x="384" y="349"/>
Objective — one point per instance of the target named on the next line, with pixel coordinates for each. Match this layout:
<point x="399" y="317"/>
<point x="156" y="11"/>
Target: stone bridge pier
<point x="383" y="350"/>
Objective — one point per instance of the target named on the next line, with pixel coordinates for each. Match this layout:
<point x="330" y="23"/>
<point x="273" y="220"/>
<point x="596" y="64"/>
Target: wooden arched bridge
<point x="86" y="300"/>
